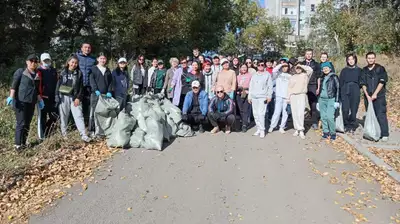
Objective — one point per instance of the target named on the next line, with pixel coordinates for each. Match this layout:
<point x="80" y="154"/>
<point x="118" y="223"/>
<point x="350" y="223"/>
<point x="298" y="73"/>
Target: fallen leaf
<point x="129" y="209"/>
<point x="166" y="196"/>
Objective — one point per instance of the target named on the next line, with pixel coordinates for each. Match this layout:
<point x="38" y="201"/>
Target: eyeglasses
<point x="34" y="61"/>
<point x="194" y="87"/>
<point x="261" y="65"/>
<point x="184" y="62"/>
<point x="220" y="92"/>
<point x="141" y="59"/>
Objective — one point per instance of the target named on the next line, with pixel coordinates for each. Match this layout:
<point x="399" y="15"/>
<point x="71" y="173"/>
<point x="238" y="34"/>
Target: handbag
<point x="66" y="90"/>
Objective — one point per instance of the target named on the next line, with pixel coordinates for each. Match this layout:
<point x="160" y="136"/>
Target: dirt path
<point x="224" y="179"/>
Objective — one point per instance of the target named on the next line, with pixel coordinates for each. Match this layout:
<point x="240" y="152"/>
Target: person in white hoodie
<point x="281" y="76"/>
<point x="260" y="94"/>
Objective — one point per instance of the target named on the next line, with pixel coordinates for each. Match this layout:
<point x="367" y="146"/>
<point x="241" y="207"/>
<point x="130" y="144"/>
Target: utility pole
<point x="298" y="18"/>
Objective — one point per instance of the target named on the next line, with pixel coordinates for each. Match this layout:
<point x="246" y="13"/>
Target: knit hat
<point x="326" y="64"/>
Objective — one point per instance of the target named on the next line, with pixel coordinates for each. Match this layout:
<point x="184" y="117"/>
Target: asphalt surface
<point x="220" y="179"/>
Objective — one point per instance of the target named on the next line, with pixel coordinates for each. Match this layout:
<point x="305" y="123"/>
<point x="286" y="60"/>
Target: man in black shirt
<point x="373" y="81"/>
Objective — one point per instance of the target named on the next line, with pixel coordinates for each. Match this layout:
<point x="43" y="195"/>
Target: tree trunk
<point x="336" y="37"/>
<point x="47" y="22"/>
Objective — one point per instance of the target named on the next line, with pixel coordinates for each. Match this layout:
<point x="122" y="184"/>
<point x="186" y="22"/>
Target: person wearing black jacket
<point x="69" y="95"/>
<point x="49" y="114"/>
<point x="139" y="76"/>
<point x="101" y="82"/>
<point x="121" y="82"/>
<point x="313" y="87"/>
<point x="350" y="92"/>
<point x="236" y="66"/>
<point x="373" y="81"/>
<point x="24" y="94"/>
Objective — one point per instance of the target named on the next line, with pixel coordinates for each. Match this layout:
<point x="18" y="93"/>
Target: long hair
<point x="66" y="66"/>
<point x="351" y="55"/>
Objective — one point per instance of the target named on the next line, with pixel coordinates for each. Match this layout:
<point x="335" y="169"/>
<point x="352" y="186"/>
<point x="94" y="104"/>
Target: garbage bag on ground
<point x="339" y="120"/>
<point x="172" y="111"/>
<point x="172" y="126"/>
<point x="372" y="130"/>
<point x="138" y="110"/>
<point x="154" y="137"/>
<point x="106" y="112"/>
<point x="121" y="134"/>
<point x="137" y="138"/>
<point x="184" y="130"/>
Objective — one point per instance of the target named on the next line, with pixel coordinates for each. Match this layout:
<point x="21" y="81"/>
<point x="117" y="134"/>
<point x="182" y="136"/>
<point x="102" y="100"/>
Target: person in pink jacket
<point x="243" y="82"/>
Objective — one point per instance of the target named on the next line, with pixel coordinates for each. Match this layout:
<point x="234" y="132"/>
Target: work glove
<point x="108" y="95"/>
<point x="97" y="93"/>
<point x="10" y="100"/>
<point x="337" y="105"/>
<point x="41" y="104"/>
<point x="317" y="106"/>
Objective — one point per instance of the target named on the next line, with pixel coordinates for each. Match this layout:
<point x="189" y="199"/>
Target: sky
<point x="262" y="3"/>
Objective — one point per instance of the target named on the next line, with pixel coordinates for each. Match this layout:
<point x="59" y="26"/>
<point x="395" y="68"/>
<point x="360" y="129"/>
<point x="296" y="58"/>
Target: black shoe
<point x="244" y="128"/>
<point x="325" y="136"/>
<point x="315" y="126"/>
<point x="333" y="137"/>
<point x="201" y="129"/>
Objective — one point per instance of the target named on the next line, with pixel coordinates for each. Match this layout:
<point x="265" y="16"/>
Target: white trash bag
<point x="137" y="138"/>
<point x="372" y="130"/>
<point x="121" y="134"/>
<point x="339" y="120"/>
<point x="155" y="134"/>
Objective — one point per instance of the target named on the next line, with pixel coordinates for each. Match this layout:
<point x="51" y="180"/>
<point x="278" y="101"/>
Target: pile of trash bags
<point x="145" y="123"/>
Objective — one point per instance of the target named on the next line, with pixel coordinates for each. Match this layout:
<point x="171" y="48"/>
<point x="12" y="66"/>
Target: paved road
<point x="221" y="179"/>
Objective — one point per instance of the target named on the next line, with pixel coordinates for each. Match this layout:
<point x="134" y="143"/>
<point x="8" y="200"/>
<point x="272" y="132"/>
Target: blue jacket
<point x="203" y="101"/>
<point x="121" y="82"/>
<point x="85" y="65"/>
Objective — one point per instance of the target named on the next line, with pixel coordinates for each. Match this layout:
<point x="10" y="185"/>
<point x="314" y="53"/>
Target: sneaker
<point x="333" y="137"/>
<point x="18" y="148"/>
<point x="244" y="129"/>
<point x="282" y="131"/>
<point x="227" y="129"/>
<point x="86" y="139"/>
<point x="257" y="133"/>
<point x="302" y="136"/>
<point x="325" y="135"/>
<point x="262" y="134"/>
<point x="270" y="130"/>
<point x="201" y="129"/>
<point x="215" y="130"/>
<point x="296" y="133"/>
<point x="385" y="139"/>
<point x="315" y="126"/>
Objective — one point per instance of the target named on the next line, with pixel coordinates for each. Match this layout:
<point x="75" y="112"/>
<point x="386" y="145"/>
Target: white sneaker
<point x="262" y="134"/>
<point x="296" y="133"/>
<point x="86" y="139"/>
<point x="282" y="131"/>
<point x="270" y="130"/>
<point x="385" y="139"/>
<point x="257" y="133"/>
<point x="302" y="136"/>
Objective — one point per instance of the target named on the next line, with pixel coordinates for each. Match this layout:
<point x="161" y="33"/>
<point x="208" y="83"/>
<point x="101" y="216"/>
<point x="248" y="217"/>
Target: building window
<point x="312" y="7"/>
<point x="286" y="11"/>
<point x="291" y="12"/>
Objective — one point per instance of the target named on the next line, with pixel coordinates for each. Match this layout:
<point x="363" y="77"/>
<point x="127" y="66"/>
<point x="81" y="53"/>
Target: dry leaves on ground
<point x="45" y="182"/>
<point x="391" y="157"/>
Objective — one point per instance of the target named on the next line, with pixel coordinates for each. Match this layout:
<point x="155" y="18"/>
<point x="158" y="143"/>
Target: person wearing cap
<point x="221" y="111"/>
<point x="328" y="101"/>
<point x="181" y="84"/>
<point x="69" y="94"/>
<point x="281" y="76"/>
<point x="260" y="94"/>
<point x="195" y="106"/>
<point x="101" y="81"/>
<point x="373" y="81"/>
<point x="296" y="96"/>
<point x="208" y="81"/>
<point x="139" y="76"/>
<point x="174" y="62"/>
<point x="243" y="81"/>
<point x="121" y="82"/>
<point x="158" y="78"/>
<point x="151" y="73"/>
<point x="86" y="62"/>
<point x="24" y="94"/>
<point x="226" y="78"/>
<point x="49" y="114"/>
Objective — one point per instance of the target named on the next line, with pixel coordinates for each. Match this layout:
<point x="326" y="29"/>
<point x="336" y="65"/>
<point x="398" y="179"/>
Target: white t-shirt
<point x="102" y="69"/>
<point x="151" y="71"/>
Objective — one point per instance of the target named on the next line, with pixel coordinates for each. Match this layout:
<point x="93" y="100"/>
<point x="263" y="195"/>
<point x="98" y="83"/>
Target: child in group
<point x="328" y="101"/>
<point x="121" y="82"/>
<point x="296" y="96"/>
<point x="281" y="76"/>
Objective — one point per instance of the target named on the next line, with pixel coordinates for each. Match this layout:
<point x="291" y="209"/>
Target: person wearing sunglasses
<point x="249" y="64"/>
<point x="260" y="94"/>
<point x="226" y="78"/>
<point x="25" y="92"/>
<point x="181" y="83"/>
<point x="220" y="111"/>
<point x="139" y="75"/>
<point x="195" y="107"/>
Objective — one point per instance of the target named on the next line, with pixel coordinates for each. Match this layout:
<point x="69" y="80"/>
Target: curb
<point x="376" y="160"/>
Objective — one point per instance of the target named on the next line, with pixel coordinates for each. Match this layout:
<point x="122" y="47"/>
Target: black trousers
<point x="350" y="97"/>
<point x="140" y="90"/>
<point x="244" y="109"/>
<point x="181" y="101"/>
<point x="194" y="119"/>
<point x="23" y="114"/>
<point x="312" y="101"/>
<point x="217" y="119"/>
<point x="122" y="100"/>
<point x="93" y="103"/>
<point x="157" y="91"/>
<point x="49" y="117"/>
<point x="380" y="112"/>
<point x="87" y="91"/>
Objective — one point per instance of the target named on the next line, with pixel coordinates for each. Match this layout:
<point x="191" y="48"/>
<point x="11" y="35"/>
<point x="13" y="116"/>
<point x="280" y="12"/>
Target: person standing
<point x="150" y="74"/>
<point x="242" y="93"/>
<point x="269" y="65"/>
<point x="349" y="80"/>
<point x="181" y="84"/>
<point x="196" y="74"/>
<point x="216" y="67"/>
<point x="281" y="76"/>
<point x="49" y="114"/>
<point x="139" y="76"/>
<point x="297" y="90"/>
<point x="86" y="62"/>
<point x="121" y="82"/>
<point x="208" y="79"/>
<point x="373" y="81"/>
<point x="69" y="92"/>
<point x="236" y="66"/>
<point x="313" y="88"/>
<point x="260" y="94"/>
<point x="196" y="55"/>
<point x="174" y="62"/>
<point x="325" y="58"/>
<point x="249" y="64"/>
<point x="226" y="78"/>
<point x="157" y="80"/>
<point x="24" y="94"/>
<point x="101" y="81"/>
<point x="328" y="101"/>
<point x="220" y="111"/>
<point x="195" y="107"/>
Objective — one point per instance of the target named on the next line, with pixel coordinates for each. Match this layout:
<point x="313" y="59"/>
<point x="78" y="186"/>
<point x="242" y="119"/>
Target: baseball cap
<point x="45" y="56"/>
<point x="195" y="83"/>
<point x="160" y="62"/>
<point x="32" y="57"/>
<point x="223" y="61"/>
<point x="122" y="60"/>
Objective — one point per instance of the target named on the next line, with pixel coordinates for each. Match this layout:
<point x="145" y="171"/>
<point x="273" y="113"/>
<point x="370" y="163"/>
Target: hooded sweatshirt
<point x="282" y="81"/>
<point x="260" y="86"/>
<point x="298" y="83"/>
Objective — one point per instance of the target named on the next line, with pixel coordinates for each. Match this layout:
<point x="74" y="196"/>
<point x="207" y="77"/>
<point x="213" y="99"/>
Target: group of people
<point x="210" y="91"/>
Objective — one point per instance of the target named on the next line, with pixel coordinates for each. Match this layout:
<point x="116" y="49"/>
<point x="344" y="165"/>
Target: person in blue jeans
<point x="195" y="107"/>
<point x="328" y="101"/>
